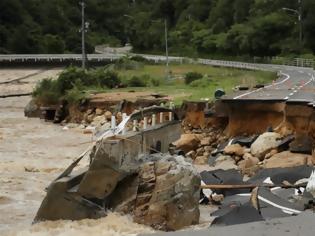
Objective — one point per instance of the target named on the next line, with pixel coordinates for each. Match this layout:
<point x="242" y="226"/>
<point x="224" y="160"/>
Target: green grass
<point x="75" y="84"/>
<point x="217" y="77"/>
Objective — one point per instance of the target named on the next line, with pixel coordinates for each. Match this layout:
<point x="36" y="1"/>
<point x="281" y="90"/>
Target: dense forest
<point x="196" y="27"/>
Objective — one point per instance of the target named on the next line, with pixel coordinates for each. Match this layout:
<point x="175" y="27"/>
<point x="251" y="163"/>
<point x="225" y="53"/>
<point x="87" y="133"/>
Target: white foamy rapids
<point x="112" y="225"/>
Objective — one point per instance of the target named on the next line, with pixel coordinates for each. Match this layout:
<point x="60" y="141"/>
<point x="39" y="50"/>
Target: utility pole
<point x="166" y="49"/>
<point x="299" y="13"/>
<point x="301" y="24"/>
<point x="83" y="31"/>
<point x="167" y="71"/>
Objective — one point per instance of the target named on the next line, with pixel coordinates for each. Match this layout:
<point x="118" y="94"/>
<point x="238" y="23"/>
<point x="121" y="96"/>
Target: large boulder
<point x="187" y="142"/>
<point x="265" y="143"/>
<point x="164" y="194"/>
<point x="288" y="159"/>
<point x="168" y="194"/>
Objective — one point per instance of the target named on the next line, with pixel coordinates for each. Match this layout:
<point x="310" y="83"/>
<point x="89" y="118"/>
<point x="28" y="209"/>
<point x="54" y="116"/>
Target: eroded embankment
<point x="255" y="117"/>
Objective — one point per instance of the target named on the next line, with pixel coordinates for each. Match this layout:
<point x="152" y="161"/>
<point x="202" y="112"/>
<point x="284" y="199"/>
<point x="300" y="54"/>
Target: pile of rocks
<point x="97" y="120"/>
<point x="199" y="144"/>
<point x="268" y="150"/>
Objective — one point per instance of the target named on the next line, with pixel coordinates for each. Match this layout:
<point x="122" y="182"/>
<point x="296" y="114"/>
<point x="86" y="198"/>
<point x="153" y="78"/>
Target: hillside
<point x="196" y="27"/>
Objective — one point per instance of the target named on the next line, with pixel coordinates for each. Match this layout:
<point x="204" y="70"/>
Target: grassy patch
<point x="74" y="84"/>
<point x="213" y="78"/>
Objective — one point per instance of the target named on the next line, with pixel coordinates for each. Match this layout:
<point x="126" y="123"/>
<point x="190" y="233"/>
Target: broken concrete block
<point x="172" y="201"/>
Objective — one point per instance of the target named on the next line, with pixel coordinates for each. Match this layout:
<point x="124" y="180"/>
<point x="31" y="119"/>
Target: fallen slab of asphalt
<point x="302" y="224"/>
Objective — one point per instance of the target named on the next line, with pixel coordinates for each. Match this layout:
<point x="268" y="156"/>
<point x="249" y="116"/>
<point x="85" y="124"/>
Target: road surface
<point x="302" y="224"/>
<point x="294" y="85"/>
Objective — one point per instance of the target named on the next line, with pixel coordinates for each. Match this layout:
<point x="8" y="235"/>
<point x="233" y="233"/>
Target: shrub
<point x="155" y="82"/>
<point x="192" y="76"/>
<point x="68" y="77"/>
<point x="139" y="59"/>
<point x="75" y="95"/>
<point x="47" y="92"/>
<point x="127" y="64"/>
<point x="205" y="82"/>
<point x="137" y="81"/>
<point x="105" y="78"/>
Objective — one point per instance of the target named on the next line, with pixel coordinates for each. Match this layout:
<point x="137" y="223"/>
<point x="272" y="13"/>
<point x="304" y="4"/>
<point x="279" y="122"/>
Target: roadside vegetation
<point x="226" y="29"/>
<point x="185" y="82"/>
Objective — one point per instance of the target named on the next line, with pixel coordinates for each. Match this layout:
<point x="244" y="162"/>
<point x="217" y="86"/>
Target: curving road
<point x="296" y="84"/>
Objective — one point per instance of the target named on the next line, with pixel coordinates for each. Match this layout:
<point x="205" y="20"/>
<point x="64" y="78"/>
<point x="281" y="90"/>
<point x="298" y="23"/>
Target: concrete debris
<point x="142" y="172"/>
<point x="131" y="174"/>
<point x="241" y="206"/>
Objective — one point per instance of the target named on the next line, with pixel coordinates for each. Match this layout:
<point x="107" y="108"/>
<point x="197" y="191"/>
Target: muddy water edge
<point x="32" y="154"/>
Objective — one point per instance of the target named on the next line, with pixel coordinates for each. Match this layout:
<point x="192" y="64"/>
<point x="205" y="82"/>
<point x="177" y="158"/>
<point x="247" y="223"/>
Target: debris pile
<point x="246" y="154"/>
<point x="130" y="173"/>
<point x="198" y="144"/>
<point x="271" y="193"/>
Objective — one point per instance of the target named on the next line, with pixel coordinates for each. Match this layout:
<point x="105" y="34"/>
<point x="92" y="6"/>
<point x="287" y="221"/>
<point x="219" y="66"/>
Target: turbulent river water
<point x="32" y="153"/>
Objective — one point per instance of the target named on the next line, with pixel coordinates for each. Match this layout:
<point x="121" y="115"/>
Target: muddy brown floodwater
<point x="32" y="154"/>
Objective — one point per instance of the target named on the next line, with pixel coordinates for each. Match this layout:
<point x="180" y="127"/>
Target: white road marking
<point x="289" y="210"/>
<point x="280" y="82"/>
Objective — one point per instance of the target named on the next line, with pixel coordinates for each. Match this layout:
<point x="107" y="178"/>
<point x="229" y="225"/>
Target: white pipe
<point x="124" y="116"/>
<point x="113" y="122"/>
<point x="161" y="117"/>
<point x="170" y="116"/>
<point x="145" y="122"/>
<point x="153" y="120"/>
<point x="134" y="128"/>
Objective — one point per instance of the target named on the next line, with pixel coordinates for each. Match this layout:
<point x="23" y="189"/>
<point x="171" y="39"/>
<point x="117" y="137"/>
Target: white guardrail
<point x="154" y="58"/>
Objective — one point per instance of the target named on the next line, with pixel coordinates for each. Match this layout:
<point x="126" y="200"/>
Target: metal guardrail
<point x="155" y="58"/>
<point x="56" y="57"/>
